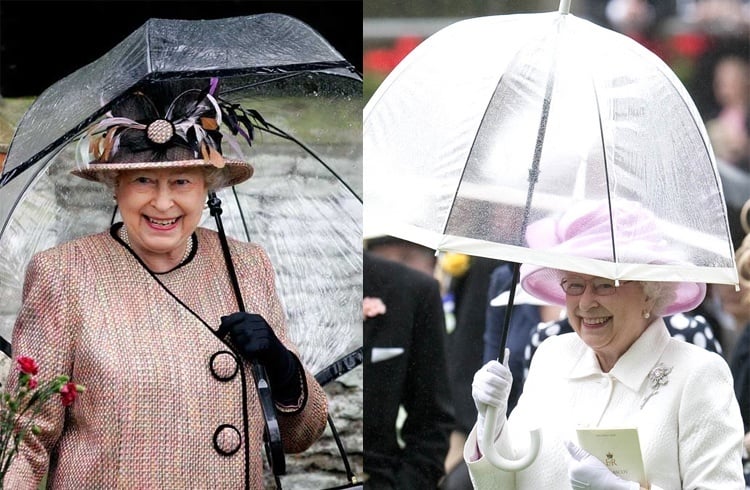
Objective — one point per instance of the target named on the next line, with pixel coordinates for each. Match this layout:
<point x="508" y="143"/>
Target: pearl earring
<point x="646" y="315"/>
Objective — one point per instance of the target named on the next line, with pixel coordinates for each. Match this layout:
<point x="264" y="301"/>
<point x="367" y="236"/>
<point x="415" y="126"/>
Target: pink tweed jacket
<point x="167" y="405"/>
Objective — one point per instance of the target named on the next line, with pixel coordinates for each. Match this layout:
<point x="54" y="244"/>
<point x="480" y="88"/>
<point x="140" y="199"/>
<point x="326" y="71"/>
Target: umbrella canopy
<point x="307" y="171"/>
<point x="303" y="204"/>
<point x="496" y="122"/>
<point x="259" y="49"/>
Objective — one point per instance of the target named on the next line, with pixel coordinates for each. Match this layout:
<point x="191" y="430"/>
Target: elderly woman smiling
<point x="619" y="368"/>
<point x="145" y="316"/>
<point x="608" y="325"/>
<point x="160" y="210"/>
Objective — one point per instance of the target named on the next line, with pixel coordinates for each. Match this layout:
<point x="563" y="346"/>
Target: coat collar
<point x="634" y="365"/>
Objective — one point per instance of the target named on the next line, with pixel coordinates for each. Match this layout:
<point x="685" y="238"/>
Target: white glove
<point x="586" y="471"/>
<point x="491" y="387"/>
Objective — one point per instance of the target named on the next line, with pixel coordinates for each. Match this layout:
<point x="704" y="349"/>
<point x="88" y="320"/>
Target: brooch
<point x="659" y="376"/>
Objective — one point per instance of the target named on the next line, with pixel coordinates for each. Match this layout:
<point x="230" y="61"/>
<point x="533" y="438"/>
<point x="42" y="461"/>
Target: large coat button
<point x="227" y="440"/>
<point x="223" y="365"/>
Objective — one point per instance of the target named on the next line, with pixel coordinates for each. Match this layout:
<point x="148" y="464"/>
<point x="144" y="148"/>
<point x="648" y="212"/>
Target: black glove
<point x="255" y="340"/>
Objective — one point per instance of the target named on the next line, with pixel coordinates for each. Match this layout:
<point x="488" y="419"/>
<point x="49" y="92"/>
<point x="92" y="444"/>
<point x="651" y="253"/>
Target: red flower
<point x="27" y="365"/>
<point x="28" y="397"/>
<point x="68" y="393"/>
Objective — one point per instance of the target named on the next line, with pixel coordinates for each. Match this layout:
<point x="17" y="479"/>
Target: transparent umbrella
<point x="494" y="123"/>
<point x="303" y="101"/>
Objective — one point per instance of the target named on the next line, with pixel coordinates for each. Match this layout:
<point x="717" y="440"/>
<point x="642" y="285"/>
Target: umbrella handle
<point x="272" y="432"/>
<point x="488" y="446"/>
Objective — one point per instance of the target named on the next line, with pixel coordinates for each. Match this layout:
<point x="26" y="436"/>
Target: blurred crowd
<point x="707" y="44"/>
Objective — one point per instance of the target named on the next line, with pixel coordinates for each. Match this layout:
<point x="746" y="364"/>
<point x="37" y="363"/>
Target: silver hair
<point x="663" y="294"/>
<point x="110" y="179"/>
<point x="216" y="178"/>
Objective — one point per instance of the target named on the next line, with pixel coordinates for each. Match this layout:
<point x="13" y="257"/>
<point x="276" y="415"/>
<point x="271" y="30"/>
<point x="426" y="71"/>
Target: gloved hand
<point x="491" y="387"/>
<point x="586" y="471"/>
<point x="255" y="340"/>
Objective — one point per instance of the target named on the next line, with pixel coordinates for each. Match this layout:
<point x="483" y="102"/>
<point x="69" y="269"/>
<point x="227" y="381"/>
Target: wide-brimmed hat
<point x="585" y="230"/>
<point x="168" y="125"/>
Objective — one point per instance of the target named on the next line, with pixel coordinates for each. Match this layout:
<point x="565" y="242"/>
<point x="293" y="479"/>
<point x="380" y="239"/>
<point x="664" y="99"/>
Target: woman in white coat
<point x="620" y="368"/>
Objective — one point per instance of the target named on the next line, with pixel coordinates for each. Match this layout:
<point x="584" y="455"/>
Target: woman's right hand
<point x="491" y="387"/>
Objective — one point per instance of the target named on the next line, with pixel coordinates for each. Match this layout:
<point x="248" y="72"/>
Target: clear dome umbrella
<point x="303" y="204"/>
<point x="494" y="123"/>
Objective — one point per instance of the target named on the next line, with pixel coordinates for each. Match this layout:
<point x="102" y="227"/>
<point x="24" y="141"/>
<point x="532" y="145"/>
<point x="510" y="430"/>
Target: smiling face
<point x="161" y="208"/>
<point x="609" y="324"/>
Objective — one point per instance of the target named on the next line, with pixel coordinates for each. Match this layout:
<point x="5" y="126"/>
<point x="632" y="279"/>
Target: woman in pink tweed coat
<point x="145" y="317"/>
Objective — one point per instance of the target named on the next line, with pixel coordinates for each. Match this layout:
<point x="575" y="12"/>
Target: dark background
<point x="42" y="41"/>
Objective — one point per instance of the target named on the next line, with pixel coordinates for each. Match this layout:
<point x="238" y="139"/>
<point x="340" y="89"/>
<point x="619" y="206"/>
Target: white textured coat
<point x="690" y="428"/>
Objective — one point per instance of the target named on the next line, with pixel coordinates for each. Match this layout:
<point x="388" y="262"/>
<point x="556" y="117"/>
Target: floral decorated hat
<point x="173" y="125"/>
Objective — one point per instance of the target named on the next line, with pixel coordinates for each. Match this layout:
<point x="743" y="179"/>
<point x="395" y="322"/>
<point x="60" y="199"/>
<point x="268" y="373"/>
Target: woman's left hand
<point x="587" y="472"/>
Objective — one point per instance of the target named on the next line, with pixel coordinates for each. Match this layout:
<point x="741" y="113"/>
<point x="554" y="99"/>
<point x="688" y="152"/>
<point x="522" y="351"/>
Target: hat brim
<point x="544" y="284"/>
<point x="585" y="231"/>
<point x="238" y="170"/>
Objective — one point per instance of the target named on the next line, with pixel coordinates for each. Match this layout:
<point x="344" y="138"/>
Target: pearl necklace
<point x="188" y="248"/>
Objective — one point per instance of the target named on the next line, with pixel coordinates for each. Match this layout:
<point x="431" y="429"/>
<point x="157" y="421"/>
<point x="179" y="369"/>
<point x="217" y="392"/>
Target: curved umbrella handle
<point x="488" y="446"/>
